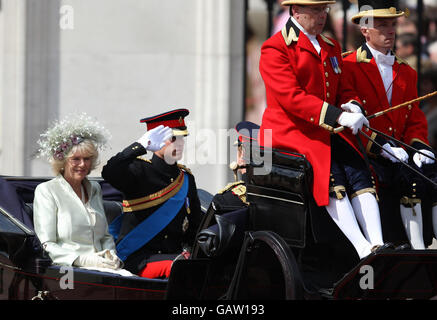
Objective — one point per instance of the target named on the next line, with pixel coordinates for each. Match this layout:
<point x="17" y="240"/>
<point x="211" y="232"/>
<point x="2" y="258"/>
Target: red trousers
<point x="157" y="269"/>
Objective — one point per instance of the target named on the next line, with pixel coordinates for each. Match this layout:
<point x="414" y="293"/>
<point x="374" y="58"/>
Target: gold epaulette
<point x="362" y="55"/>
<point x="344" y="54"/>
<point x="187" y="170"/>
<point x="289" y="35"/>
<point x="240" y="192"/>
<point x="230" y="185"/>
<point x="400" y="61"/>
<point x="144" y="159"/>
<point x="327" y="40"/>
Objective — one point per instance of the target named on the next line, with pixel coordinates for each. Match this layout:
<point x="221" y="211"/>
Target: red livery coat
<point x="302" y="88"/>
<point x="407" y="124"/>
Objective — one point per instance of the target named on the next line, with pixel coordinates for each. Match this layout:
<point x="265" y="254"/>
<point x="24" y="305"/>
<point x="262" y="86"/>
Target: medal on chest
<point x="335" y="65"/>
<point x="185" y="224"/>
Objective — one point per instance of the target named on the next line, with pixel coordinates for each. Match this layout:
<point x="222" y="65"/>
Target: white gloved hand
<point x="113" y="256"/>
<point x="110" y="255"/>
<point x="420" y="159"/>
<point x="94" y="260"/>
<point x="351" y="107"/>
<point x="153" y="140"/>
<point x="399" y="153"/>
<point x="355" y="121"/>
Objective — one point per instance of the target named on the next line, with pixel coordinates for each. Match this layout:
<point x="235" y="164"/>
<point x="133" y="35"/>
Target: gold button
<point x="326" y="74"/>
<point x="390" y="129"/>
<point x="312" y="119"/>
<point x="328" y="95"/>
<point x="324" y="63"/>
<point x="171" y="180"/>
<point x="166" y="236"/>
<point x="406" y="116"/>
<point x="364" y="101"/>
<point x="327" y="83"/>
<point x="409" y="107"/>
<point x="159" y="251"/>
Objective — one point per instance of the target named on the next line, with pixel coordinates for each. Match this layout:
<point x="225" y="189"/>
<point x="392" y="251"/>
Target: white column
<point x="41" y="103"/>
<point x="30" y="81"/>
<point x="12" y="97"/>
<point x="219" y="79"/>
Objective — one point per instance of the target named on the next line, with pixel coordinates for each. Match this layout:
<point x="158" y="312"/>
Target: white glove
<point x="399" y="153"/>
<point x="153" y="140"/>
<point x="355" y="121"/>
<point x="94" y="260"/>
<point x="351" y="107"/>
<point x="420" y="159"/>
<point x="111" y="255"/>
<point x="116" y="259"/>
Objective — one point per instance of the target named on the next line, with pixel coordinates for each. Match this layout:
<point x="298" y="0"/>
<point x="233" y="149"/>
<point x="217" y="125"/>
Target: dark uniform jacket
<point x="232" y="197"/>
<point x="137" y="178"/>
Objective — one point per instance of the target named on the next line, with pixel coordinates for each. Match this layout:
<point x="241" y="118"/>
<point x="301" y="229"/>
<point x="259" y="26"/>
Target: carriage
<point x="279" y="246"/>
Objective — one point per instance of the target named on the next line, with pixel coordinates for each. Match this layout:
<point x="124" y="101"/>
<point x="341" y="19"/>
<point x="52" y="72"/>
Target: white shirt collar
<point x="385" y="70"/>
<point x="312" y="37"/>
<point x="297" y="24"/>
<point x="376" y="53"/>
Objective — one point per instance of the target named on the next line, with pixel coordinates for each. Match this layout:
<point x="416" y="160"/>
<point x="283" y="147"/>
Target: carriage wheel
<point x="266" y="269"/>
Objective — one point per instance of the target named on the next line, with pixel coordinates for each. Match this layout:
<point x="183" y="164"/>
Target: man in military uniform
<point x="302" y="73"/>
<point x="233" y="196"/>
<point x="230" y="203"/>
<point x="161" y="206"/>
<point x="383" y="80"/>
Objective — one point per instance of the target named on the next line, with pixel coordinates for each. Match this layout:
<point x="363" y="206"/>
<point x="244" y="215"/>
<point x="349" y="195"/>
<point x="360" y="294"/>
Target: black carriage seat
<point x="214" y="254"/>
<point x="208" y="273"/>
<point x="278" y="190"/>
<point x="205" y="199"/>
<point x="20" y="245"/>
<point x="226" y="234"/>
<point x="281" y="201"/>
<point x="113" y="209"/>
<point x="221" y="235"/>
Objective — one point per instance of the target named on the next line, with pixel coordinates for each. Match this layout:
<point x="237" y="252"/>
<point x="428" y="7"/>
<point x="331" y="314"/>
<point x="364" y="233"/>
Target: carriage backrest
<point x="279" y="196"/>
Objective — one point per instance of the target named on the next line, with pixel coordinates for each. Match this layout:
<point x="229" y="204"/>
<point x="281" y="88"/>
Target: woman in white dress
<point x="69" y="217"/>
